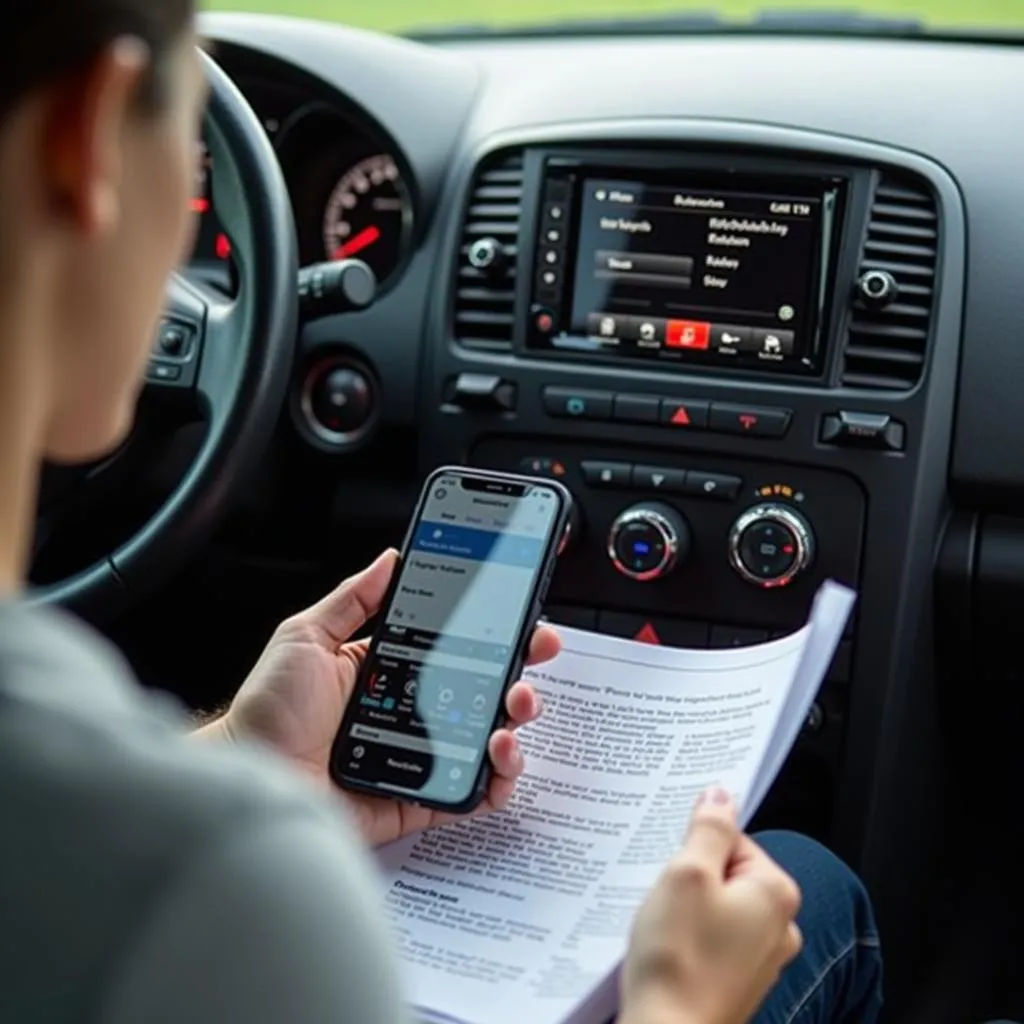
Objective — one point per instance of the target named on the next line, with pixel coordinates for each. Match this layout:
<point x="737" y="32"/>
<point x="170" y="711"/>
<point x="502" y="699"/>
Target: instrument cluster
<point x="351" y="193"/>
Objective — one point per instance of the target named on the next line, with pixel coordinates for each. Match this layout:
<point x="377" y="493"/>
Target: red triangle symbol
<point x="681" y="418"/>
<point x="648" y="635"/>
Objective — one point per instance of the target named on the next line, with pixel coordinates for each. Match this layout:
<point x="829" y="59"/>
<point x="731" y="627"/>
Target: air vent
<point x="485" y="291"/>
<point x="891" y="317"/>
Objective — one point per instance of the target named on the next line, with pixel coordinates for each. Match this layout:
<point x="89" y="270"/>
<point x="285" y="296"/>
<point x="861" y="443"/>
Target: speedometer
<point x="369" y="216"/>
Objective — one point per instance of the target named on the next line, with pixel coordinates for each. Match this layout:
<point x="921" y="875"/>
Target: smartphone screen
<point x="451" y="637"/>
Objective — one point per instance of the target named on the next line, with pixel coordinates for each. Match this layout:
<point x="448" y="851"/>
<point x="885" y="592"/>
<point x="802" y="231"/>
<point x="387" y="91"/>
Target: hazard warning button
<point x="654" y="629"/>
<point x="684" y="414"/>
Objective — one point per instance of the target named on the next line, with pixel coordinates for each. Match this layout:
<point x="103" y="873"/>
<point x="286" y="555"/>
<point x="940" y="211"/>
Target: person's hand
<point x="296" y="695"/>
<point x="713" y="936"/>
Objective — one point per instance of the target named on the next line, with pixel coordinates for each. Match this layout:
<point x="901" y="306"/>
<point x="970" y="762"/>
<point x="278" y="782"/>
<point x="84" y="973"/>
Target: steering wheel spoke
<point x="179" y="347"/>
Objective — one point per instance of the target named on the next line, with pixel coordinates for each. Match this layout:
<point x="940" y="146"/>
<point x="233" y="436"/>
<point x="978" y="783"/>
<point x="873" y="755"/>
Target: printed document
<point x="524" y="915"/>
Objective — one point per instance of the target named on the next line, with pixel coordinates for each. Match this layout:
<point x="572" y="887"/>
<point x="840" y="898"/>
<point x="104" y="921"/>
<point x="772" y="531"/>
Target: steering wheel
<point x="234" y="362"/>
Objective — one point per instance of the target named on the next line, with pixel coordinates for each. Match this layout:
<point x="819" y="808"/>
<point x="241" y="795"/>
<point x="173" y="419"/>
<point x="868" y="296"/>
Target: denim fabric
<point x="837" y="979"/>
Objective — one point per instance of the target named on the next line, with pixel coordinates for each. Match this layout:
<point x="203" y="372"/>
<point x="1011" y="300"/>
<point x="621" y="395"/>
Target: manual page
<point x="524" y="915"/>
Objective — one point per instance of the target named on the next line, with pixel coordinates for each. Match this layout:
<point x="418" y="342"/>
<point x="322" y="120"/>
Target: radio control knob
<point x="770" y="545"/>
<point x="646" y="542"/>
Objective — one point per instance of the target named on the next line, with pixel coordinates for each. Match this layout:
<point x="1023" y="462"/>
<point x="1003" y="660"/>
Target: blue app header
<point x="478" y="545"/>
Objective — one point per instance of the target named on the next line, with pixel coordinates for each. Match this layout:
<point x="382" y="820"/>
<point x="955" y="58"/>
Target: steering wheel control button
<point x="752" y="421"/>
<point x="875" y="430"/>
<point x="713" y="485"/>
<point x="164" y="373"/>
<point x="566" y="403"/>
<point x="637" y="408"/>
<point x="646" y="542"/>
<point x="659" y="478"/>
<point x="174" y="340"/>
<point x="607" y="474"/>
<point x="684" y="414"/>
<point x="771" y="545"/>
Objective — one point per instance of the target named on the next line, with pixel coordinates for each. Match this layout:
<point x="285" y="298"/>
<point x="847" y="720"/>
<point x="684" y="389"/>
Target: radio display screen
<point x="683" y="274"/>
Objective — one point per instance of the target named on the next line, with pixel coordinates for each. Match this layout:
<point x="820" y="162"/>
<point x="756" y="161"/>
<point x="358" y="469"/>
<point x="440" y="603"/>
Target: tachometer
<point x="369" y="216"/>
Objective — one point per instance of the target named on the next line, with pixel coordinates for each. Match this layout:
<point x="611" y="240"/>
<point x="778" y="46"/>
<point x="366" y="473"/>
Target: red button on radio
<point x="687" y="334"/>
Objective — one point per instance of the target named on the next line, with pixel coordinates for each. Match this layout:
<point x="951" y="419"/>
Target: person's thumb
<point x="355" y="601"/>
<point x="713" y="834"/>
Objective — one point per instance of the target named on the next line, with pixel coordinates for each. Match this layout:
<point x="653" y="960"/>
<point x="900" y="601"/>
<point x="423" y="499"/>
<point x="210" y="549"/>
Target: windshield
<point x="462" y="16"/>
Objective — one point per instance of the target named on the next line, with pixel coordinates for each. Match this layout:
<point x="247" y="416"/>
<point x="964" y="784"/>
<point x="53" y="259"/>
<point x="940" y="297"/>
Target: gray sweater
<point x="149" y="878"/>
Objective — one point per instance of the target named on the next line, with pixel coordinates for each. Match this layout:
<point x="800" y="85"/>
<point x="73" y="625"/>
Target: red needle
<point x="358" y="242"/>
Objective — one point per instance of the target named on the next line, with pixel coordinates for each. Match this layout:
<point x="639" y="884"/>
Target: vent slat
<point x="886" y="348"/>
<point x="893" y="355"/>
<point x="880" y="232"/>
<point x="484" y="308"/>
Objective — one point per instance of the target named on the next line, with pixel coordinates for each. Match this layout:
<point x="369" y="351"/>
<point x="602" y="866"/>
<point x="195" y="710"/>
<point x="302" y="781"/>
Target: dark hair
<point x="42" y="40"/>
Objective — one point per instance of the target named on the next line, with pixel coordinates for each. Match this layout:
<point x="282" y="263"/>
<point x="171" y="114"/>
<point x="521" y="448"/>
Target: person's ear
<point x="85" y="136"/>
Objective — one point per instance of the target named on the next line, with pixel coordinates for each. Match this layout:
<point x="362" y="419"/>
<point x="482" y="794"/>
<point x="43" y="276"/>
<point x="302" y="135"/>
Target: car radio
<point x="684" y="266"/>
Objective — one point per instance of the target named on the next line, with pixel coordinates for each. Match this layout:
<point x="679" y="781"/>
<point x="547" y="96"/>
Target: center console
<point x="731" y="344"/>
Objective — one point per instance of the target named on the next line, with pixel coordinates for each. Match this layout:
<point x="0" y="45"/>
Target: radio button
<point x="713" y="485"/>
<point x="578" y="405"/>
<point x="608" y="326"/>
<point x="753" y="421"/>
<point x="554" y="213"/>
<point x="683" y="414"/>
<point x="637" y="408"/>
<point x="687" y="334"/>
<point x="774" y="344"/>
<point x="549" y="278"/>
<point x="543" y="321"/>
<point x="647" y="332"/>
<point x="728" y="338"/>
<point x="658" y="478"/>
<point x="607" y="474"/>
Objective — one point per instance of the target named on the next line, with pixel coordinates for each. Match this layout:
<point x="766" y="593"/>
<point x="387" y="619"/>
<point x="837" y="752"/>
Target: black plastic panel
<point x="704" y="587"/>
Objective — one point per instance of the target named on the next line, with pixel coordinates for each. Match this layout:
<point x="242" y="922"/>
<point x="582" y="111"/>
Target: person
<point x="152" y="875"/>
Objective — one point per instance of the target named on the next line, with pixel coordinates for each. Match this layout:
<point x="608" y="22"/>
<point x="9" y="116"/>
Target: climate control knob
<point x="648" y="541"/>
<point x="770" y="545"/>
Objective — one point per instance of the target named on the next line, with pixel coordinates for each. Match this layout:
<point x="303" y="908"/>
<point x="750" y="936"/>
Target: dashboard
<point x="757" y="306"/>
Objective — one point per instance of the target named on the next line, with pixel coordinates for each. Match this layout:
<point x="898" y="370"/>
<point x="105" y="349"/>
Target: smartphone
<point x="452" y="637"/>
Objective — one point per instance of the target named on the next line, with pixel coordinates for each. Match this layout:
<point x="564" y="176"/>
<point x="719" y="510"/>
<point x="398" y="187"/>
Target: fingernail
<point x="717" y="796"/>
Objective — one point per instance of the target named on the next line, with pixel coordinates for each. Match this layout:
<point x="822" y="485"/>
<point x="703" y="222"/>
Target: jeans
<point x="837" y="978"/>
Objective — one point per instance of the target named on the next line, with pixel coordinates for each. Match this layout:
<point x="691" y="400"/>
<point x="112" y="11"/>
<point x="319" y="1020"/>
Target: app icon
<point x="691" y="334"/>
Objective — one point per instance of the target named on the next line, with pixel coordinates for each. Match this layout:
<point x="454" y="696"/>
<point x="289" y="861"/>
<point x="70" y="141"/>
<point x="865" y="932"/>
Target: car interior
<point x="755" y="296"/>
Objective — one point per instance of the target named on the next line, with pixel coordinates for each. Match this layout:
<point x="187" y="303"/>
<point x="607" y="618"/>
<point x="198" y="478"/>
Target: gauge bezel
<point x="318" y="146"/>
<point x="407" y="218"/>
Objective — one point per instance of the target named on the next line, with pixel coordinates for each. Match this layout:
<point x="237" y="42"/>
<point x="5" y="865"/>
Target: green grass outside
<point x="404" y="15"/>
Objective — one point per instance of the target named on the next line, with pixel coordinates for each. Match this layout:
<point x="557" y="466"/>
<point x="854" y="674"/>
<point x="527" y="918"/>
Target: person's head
<point x="100" y="106"/>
